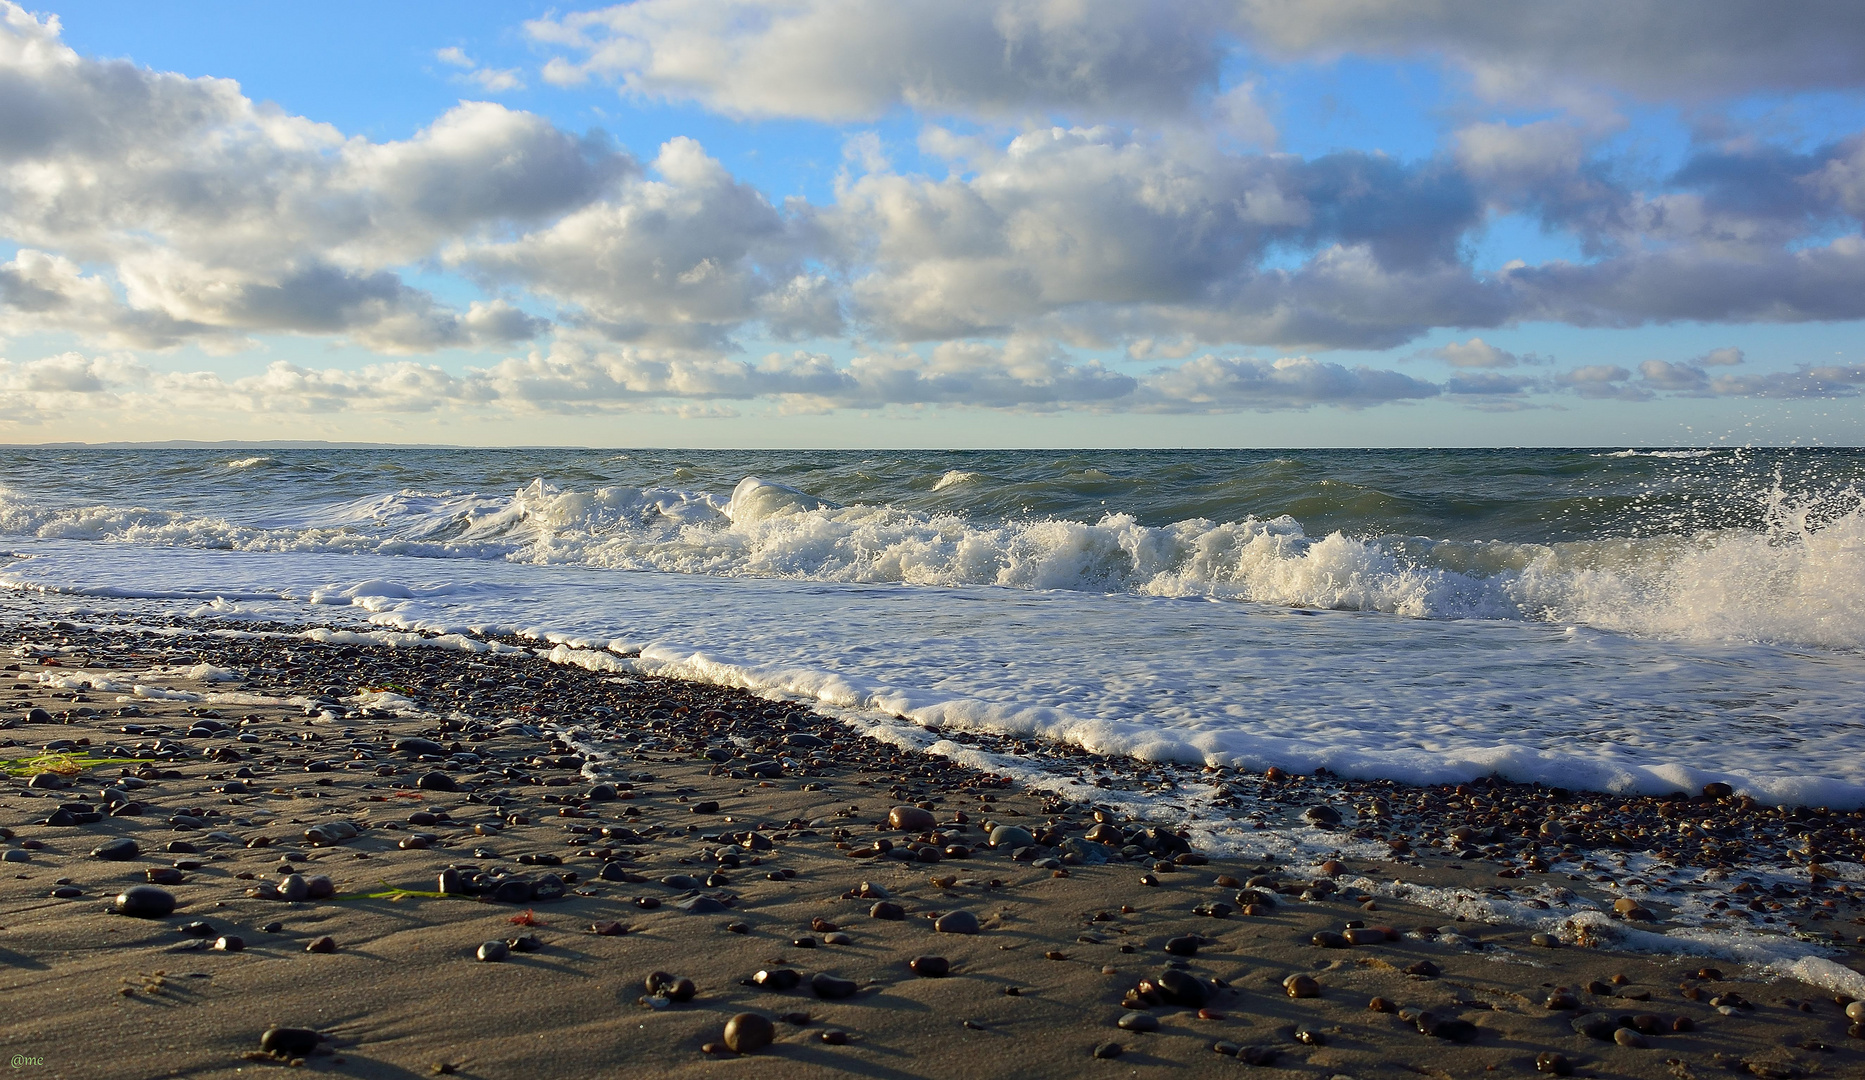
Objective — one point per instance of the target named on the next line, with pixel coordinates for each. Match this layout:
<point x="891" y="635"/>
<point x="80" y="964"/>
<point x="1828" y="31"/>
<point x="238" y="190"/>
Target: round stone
<point x="145" y="902"/>
<point x="930" y="967"/>
<point x="1301" y="986"/>
<point x="289" y="1041"/>
<point x="887" y="909"/>
<point x="1010" y="836"/>
<point x="956" y="922"/>
<point x="749" y="1032"/>
<point x="229" y="943"/>
<point x="1138" y="1021"/>
<point x="1182" y="988"/>
<point x="436" y="781"/>
<point x="1182" y="946"/>
<point x="493" y="952"/>
<point x="910" y="819"/>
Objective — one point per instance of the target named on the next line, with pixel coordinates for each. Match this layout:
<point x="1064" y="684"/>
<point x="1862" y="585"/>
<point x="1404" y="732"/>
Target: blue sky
<point x="973" y="222"/>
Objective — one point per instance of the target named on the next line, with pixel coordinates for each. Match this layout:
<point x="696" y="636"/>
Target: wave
<point x="1799" y="579"/>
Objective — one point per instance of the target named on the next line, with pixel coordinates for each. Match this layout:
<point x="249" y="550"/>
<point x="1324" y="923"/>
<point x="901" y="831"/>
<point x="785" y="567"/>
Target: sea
<point x="1620" y="620"/>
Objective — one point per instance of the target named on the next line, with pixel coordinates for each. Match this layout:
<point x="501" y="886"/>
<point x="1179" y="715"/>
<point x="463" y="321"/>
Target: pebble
<point x="1138" y="1021"/>
<point x="1011" y="836"/>
<point x="229" y="943"/>
<point x="835" y="1037"/>
<point x="837" y="939"/>
<point x="1629" y="1038"/>
<point x="145" y="902"/>
<point x="1107" y="1051"/>
<point x="1182" y="988"/>
<point x="1555" y="1064"/>
<point x="324" y="944"/>
<point x="671" y="987"/>
<point x="910" y="819"/>
<point x="887" y="909"/>
<point x="828" y="986"/>
<point x="777" y="979"/>
<point x="289" y="1041"/>
<point x="956" y="922"/>
<point x="1301" y="986"/>
<point x="930" y="967"/>
<point x="749" y="1032"/>
<point x="163" y="875"/>
<point x="1183" y="945"/>
<point x="117" y="850"/>
<point x="436" y="781"/>
<point x="493" y="952"/>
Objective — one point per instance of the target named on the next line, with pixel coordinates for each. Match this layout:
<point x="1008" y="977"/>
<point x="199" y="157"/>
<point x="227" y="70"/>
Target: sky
<point x="932" y="223"/>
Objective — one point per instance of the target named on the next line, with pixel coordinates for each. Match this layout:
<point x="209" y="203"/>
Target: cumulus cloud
<point x="849" y="60"/>
<point x="1477" y="353"/>
<point x="843" y="60"/>
<point x="491" y="80"/>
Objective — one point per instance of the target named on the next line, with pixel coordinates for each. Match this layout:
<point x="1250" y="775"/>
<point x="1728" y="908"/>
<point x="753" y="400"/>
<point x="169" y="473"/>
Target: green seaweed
<point x="393" y="894"/>
<point x="65" y="764"/>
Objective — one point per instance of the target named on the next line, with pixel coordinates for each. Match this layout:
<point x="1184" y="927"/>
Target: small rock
<point x="910" y="819"/>
<point x="229" y="943"/>
<point x="289" y="1042"/>
<point x="930" y="967"/>
<point x="145" y="902"/>
<point x="749" y="1032"/>
<point x="324" y="944"/>
<point x="117" y="850"/>
<point x="1010" y="836"/>
<point x="828" y="986"/>
<point x="1323" y="816"/>
<point x="1628" y="1038"/>
<point x="887" y="909"/>
<point x="777" y="979"/>
<point x="1183" y="945"/>
<point x="1107" y="1051"/>
<point x="1182" y="988"/>
<point x="493" y="952"/>
<point x="436" y="781"/>
<point x="1138" y="1021"/>
<point x="1554" y="1064"/>
<point x="1301" y="986"/>
<point x="956" y="922"/>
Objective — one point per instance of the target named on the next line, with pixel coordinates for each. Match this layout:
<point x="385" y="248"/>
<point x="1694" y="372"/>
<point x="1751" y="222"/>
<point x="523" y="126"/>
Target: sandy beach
<point x="345" y="830"/>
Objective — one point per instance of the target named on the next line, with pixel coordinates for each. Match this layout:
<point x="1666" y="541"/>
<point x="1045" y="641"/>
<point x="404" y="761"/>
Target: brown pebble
<point x="1302" y="986"/>
<point x="325" y="944"/>
<point x="1380" y="1004"/>
<point x="749" y="1032"/>
<point x="835" y="1037"/>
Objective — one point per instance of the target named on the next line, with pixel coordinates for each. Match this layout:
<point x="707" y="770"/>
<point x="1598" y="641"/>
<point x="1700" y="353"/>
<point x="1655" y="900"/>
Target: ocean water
<point x="1639" y="621"/>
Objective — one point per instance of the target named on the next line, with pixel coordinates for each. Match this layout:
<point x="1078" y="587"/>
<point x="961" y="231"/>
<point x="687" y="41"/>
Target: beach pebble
<point x="749" y="1032"/>
<point x="229" y="943"/>
<point x="15" y="855"/>
<point x="828" y="986"/>
<point x="1365" y="935"/>
<point x="837" y="939"/>
<point x="1544" y="940"/>
<point x="1717" y="790"/>
<point x="1554" y="1064"/>
<point x="493" y="952"/>
<point x="1183" y="945"/>
<point x="671" y="987"/>
<point x="1445" y="1027"/>
<point x="930" y="967"/>
<point x="910" y="819"/>
<point x="1561" y="999"/>
<point x="888" y="910"/>
<point x="1107" y="1051"/>
<point x="1301" y="986"/>
<point x="1182" y="988"/>
<point x="1328" y="939"/>
<point x="289" y="1041"/>
<point x="1324" y="816"/>
<point x="1011" y="836"/>
<point x="1855" y="1011"/>
<point x="117" y="850"/>
<point x="324" y="944"/>
<point x="1260" y="1056"/>
<point x="436" y="781"/>
<point x="145" y="902"/>
<point x="163" y="875"/>
<point x="956" y="922"/>
<point x="777" y="979"/>
<point x="293" y="888"/>
<point x="835" y="1037"/>
<point x="1628" y="1038"/>
<point x="1138" y="1021"/>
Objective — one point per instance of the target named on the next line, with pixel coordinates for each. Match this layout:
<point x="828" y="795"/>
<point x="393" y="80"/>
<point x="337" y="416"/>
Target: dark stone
<point x="289" y="1042"/>
<point x="145" y="902"/>
<point x="887" y="909"/>
<point x="494" y="952"/>
<point x="437" y="781"/>
<point x="1323" y="816"/>
<point x="777" y="980"/>
<point x="512" y="891"/>
<point x="1444" y="1027"/>
<point x="700" y="905"/>
<point x="956" y="922"/>
<point x="1596" y="1026"/>
<point x="325" y="944"/>
<point x="416" y="747"/>
<point x="548" y="887"/>
<point x="229" y="943"/>
<point x="117" y="850"/>
<point x="1107" y="1051"/>
<point x="828" y="986"/>
<point x="930" y="967"/>
<point x="1182" y="988"/>
<point x="1182" y="945"/>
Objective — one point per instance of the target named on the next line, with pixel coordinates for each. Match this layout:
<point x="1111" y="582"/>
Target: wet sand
<point x="731" y="835"/>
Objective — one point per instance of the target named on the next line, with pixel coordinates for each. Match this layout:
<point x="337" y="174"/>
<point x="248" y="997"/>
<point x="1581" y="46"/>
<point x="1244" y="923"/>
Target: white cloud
<point x="850" y="60"/>
<point x="491" y="80"/>
<point x="1477" y="353"/>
